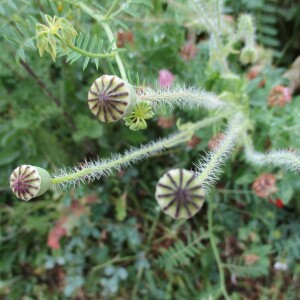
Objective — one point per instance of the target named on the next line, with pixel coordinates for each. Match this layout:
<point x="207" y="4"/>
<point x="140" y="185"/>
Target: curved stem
<point x="104" y="167"/>
<point x="209" y="169"/>
<point x="281" y="158"/>
<point x="246" y="30"/>
<point x="215" y="249"/>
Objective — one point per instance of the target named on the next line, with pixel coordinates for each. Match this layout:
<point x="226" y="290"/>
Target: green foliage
<point x="22" y="35"/>
<point x="275" y="23"/>
<point x="255" y="269"/>
<point x="88" y="44"/>
<point x="181" y="254"/>
<point x="116" y="243"/>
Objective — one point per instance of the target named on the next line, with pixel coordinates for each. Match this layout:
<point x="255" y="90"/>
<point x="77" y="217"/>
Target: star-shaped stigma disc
<point x="25" y="182"/>
<point x="109" y="98"/>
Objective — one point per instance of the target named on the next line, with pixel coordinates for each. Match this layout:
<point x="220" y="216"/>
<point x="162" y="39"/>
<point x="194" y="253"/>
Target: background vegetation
<point x="109" y="240"/>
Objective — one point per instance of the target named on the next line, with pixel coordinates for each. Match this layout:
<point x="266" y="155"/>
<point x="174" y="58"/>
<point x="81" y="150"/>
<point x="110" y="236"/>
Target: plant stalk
<point x="180" y="137"/>
<point x="215" y="249"/>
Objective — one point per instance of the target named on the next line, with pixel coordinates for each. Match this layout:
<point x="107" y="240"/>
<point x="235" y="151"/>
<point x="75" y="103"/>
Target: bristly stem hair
<point x="209" y="168"/>
<point x="93" y="170"/>
<point x="288" y="159"/>
<point x="182" y="96"/>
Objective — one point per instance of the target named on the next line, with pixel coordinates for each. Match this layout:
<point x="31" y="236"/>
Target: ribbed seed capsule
<point x="179" y="193"/>
<point x="110" y="98"/>
<point x="28" y="182"/>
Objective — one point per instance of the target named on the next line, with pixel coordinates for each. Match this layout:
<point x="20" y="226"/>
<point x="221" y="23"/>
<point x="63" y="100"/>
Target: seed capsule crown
<point x="179" y="193"/>
<point x="110" y="98"/>
<point x="28" y="182"/>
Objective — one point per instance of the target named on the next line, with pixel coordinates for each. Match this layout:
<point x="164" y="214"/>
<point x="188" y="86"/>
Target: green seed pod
<point x="28" y="182"/>
<point x="110" y="98"/>
<point x="179" y="193"/>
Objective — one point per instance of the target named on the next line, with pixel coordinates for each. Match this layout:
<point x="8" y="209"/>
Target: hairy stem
<point x="246" y="30"/>
<point x="282" y="158"/>
<point x="209" y="169"/>
<point x="215" y="32"/>
<point x="182" y="96"/>
<point x="95" y="170"/>
<point x="215" y="249"/>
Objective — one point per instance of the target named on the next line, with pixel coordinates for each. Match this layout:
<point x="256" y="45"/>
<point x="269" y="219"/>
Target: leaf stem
<point x="106" y="27"/>
<point x="109" y="12"/>
<point x="91" y="54"/>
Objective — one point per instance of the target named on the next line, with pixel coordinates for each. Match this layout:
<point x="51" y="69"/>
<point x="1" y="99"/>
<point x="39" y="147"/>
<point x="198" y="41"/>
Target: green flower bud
<point x="248" y="55"/>
<point x="57" y="31"/>
<point x="110" y="98"/>
<point x="28" y="182"/>
<point x="179" y="193"/>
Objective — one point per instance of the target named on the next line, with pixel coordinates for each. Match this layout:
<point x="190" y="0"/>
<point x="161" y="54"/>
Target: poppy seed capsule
<point x="28" y="182"/>
<point x="110" y="98"/>
<point x="179" y="193"/>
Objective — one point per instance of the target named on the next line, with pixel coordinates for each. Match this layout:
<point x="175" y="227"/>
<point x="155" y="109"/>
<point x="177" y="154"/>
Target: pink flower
<point x="166" y="78"/>
<point x="287" y="94"/>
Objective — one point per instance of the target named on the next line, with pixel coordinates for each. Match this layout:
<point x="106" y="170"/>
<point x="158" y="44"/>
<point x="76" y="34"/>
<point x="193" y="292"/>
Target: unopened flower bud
<point x="264" y="185"/>
<point x="248" y="55"/>
<point x="28" y="182"/>
<point x="110" y="98"/>
<point x="165" y="122"/>
<point x="279" y="96"/>
<point x="179" y="193"/>
<point x="193" y="142"/>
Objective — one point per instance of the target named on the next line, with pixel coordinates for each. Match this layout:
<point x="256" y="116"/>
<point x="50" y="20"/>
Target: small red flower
<point x="278" y="202"/>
